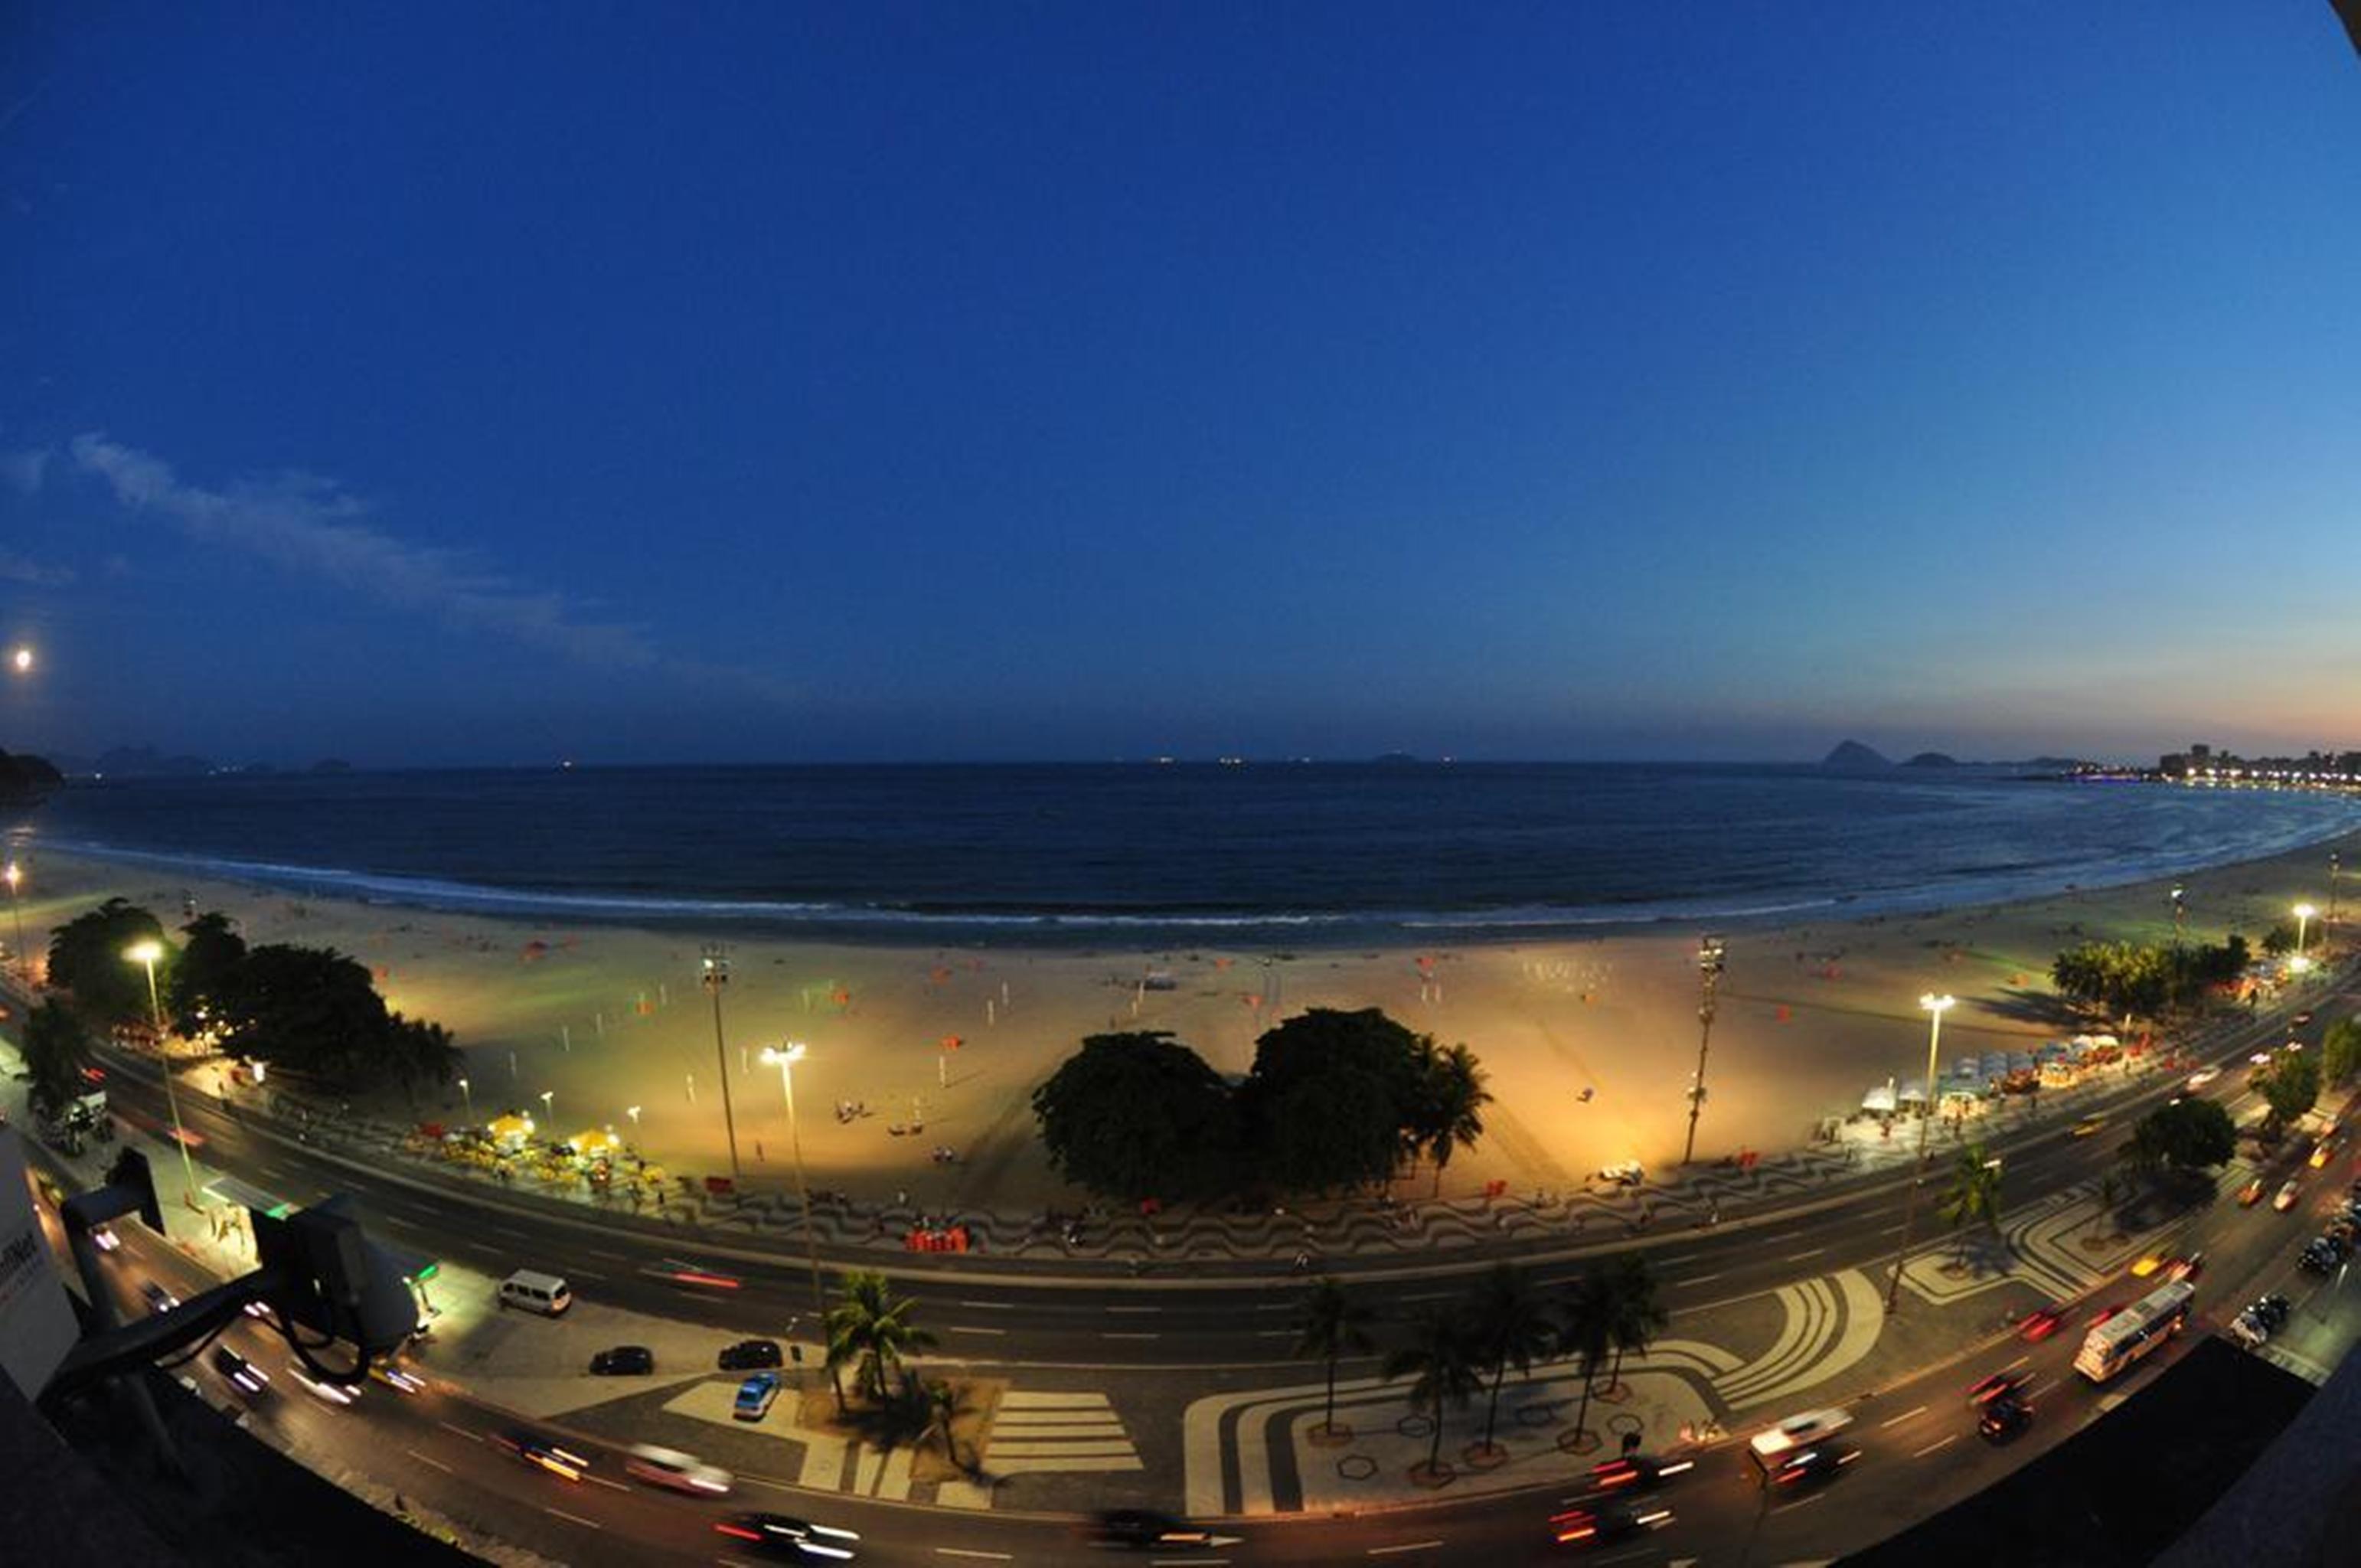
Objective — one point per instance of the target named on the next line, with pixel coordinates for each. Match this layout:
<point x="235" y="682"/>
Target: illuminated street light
<point x="785" y="1059"/>
<point x="716" y="976"/>
<point x="469" y="1096"/>
<point x="16" y="874"/>
<point x="2303" y="913"/>
<point x="633" y="1112"/>
<point x="146" y="954"/>
<point x="548" y="1096"/>
<point x="2180" y="913"/>
<point x="1710" y="959"/>
<point x="1936" y="1007"/>
<point x="20" y="660"/>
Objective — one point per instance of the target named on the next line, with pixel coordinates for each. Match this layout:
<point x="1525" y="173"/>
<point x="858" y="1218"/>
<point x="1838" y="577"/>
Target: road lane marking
<point x="604" y="1482"/>
<point x="2019" y="1362"/>
<point x="1688" y="1258"/>
<point x="1274" y="1334"/>
<point x="1800" y="1257"/>
<point x="1109" y="1334"/>
<point x="1408" y="1546"/>
<point x="462" y="1431"/>
<point x="1697" y="1280"/>
<point x="1790" y="1507"/>
<point x="1429" y="1296"/>
<point x="427" y="1459"/>
<point x="1135" y="1309"/>
<point x="585" y="1274"/>
<point x="991" y="1306"/>
<point x="1897" y="1420"/>
<point x="1934" y="1447"/>
<point x="609" y="1257"/>
<point x="576" y="1519"/>
<point x="970" y="1328"/>
<point x="963" y="1552"/>
<point x="508" y="1231"/>
<point x="1275" y="1306"/>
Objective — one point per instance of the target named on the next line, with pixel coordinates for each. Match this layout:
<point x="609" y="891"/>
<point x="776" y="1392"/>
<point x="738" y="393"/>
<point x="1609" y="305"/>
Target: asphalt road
<point x="1920" y="1450"/>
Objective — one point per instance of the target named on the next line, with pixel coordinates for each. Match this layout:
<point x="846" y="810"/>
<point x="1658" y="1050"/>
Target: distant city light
<point x="20" y="659"/>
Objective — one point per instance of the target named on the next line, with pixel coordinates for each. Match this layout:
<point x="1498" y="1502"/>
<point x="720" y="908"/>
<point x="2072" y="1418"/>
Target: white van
<point x="543" y="1293"/>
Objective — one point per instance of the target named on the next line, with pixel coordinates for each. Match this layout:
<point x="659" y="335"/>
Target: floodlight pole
<point x="1709" y="957"/>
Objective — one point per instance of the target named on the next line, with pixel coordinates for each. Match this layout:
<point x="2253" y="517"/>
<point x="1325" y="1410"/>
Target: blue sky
<point x="1044" y="381"/>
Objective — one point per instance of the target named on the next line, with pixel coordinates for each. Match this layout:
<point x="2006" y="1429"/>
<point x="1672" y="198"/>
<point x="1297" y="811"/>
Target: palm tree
<point x="1585" y="1331"/>
<point x="1451" y="1100"/>
<point x="940" y="1408"/>
<point x="1436" y="1356"/>
<point x="869" y="1329"/>
<point x="1510" y="1329"/>
<point x="1636" y="1314"/>
<point x="56" y="1049"/>
<point x="1332" y="1325"/>
<point x="1974" y="1192"/>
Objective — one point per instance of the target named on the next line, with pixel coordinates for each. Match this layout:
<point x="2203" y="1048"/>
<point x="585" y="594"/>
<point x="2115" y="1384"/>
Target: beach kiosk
<point x="510" y="1132"/>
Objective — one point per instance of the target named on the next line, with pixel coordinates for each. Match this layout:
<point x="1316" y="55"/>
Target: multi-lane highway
<point x="1920" y="1450"/>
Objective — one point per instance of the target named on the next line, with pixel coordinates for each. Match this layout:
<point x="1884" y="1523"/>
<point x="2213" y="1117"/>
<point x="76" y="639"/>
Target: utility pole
<point x="1709" y="956"/>
<point x="716" y="976"/>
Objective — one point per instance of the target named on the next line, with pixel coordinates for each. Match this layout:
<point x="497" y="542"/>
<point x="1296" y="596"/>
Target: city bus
<point x="2135" y="1330"/>
<point x="1777" y="1449"/>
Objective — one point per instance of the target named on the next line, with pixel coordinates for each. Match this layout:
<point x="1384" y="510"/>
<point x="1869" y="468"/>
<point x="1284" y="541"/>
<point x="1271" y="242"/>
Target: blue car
<point x="754" y="1397"/>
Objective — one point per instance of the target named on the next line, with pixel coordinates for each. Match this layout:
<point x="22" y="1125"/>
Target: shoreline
<point x="606" y="1016"/>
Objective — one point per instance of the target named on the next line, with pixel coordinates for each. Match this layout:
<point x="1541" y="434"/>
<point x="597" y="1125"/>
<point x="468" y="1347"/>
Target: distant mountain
<point x="136" y="762"/>
<point x="1932" y="760"/>
<point x="25" y="780"/>
<point x="1852" y="757"/>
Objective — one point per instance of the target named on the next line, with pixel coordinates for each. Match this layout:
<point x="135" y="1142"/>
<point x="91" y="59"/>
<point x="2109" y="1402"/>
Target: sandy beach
<point x="606" y="1017"/>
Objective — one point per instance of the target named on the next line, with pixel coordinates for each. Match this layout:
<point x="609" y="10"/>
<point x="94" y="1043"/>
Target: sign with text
<point x="37" y="1322"/>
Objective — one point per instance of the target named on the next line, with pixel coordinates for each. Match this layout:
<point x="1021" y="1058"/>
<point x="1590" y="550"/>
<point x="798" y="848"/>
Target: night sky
<point x="500" y="383"/>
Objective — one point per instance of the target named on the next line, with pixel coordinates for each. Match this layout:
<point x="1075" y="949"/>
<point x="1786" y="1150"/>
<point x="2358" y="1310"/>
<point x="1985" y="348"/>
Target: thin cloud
<point x="16" y="568"/>
<point x="310" y="525"/>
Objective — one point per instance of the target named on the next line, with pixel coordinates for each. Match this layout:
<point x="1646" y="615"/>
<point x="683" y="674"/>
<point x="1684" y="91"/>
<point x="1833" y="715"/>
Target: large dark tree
<point x="1139" y="1116"/>
<point x="309" y="1010"/>
<point x="56" y="1050"/>
<point x="2188" y="1134"/>
<point x="1332" y="1098"/>
<point x="87" y="957"/>
<point x="2340" y="1049"/>
<point x="208" y="968"/>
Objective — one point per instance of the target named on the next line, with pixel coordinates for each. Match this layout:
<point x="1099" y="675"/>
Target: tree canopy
<point x="56" y="1050"/>
<point x="1335" y="1099"/>
<point x="88" y="956"/>
<point x="1138" y="1115"/>
<point x="208" y="965"/>
<point x="2125" y="978"/>
<point x="2290" y="1084"/>
<point x="2187" y="1135"/>
<point x="2340" y="1050"/>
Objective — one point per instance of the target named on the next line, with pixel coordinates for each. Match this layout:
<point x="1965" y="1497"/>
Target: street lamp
<point x="2180" y="913"/>
<point x="548" y="1097"/>
<point x="1936" y="1007"/>
<point x="16" y="874"/>
<point x="717" y="975"/>
<point x="1709" y="957"/>
<point x="469" y="1096"/>
<point x="2303" y="913"/>
<point x="633" y="1112"/>
<point x="145" y="954"/>
<point x="785" y="1058"/>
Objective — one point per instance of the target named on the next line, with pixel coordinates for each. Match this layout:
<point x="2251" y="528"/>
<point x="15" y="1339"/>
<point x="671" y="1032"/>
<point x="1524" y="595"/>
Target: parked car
<point x="623" y="1361"/>
<point x="755" y="1397"/>
<point x="748" y="1355"/>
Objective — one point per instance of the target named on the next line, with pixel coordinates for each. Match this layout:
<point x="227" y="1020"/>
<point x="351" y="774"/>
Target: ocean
<point x="1273" y="854"/>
